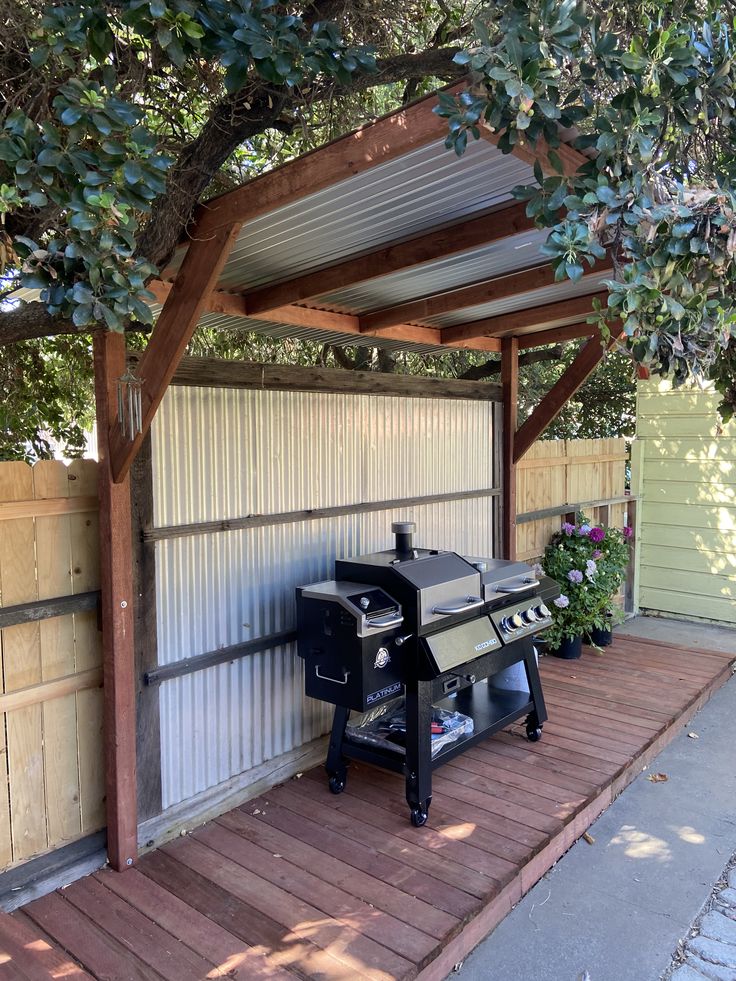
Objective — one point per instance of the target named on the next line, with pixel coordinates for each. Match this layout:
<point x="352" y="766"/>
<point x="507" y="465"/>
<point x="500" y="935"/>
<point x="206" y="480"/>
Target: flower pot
<point x="601" y="637"/>
<point x="569" y="649"/>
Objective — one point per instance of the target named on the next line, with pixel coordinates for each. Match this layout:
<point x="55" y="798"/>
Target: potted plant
<point x="569" y="560"/>
<point x="611" y="555"/>
<point x="589" y="563"/>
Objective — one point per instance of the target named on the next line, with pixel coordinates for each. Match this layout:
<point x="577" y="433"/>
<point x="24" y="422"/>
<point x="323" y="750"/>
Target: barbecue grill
<point x="430" y="627"/>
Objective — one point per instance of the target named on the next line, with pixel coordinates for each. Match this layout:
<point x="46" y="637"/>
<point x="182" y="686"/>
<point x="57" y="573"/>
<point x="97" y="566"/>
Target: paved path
<point x="709" y="952"/>
<point x="616" y="909"/>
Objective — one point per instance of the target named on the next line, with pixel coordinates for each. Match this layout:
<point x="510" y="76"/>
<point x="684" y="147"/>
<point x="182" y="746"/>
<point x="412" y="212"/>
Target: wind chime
<point x="130" y="404"/>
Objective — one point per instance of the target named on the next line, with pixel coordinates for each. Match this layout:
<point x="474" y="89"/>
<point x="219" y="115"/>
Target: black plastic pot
<point x="601" y="638"/>
<point x="570" y="648"/>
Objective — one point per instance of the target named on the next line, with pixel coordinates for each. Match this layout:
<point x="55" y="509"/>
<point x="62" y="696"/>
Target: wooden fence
<point x="560" y="476"/>
<point x="51" y="774"/>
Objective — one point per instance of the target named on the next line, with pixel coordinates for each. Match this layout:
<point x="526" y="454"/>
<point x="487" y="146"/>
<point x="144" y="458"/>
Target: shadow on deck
<point x="299" y="883"/>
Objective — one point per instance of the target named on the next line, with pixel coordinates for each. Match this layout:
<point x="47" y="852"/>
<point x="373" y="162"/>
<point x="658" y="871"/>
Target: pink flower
<point x="628" y="532"/>
<point x="597" y="534"/>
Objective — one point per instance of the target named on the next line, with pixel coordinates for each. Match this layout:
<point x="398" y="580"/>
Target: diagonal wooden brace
<point x="177" y="321"/>
<point x="565" y="387"/>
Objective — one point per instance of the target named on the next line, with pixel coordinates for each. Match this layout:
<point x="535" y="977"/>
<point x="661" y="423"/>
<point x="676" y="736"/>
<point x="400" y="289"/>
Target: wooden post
<point x="510" y="382"/>
<point x="116" y="582"/>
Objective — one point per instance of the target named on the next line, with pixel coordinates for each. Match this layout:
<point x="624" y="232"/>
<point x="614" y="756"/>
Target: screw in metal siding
<point x="128" y="861"/>
<point x="124" y="604"/>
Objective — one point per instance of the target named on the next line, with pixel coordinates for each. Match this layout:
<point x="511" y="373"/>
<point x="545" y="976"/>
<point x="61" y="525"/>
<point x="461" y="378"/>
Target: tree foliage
<point x="647" y="90"/>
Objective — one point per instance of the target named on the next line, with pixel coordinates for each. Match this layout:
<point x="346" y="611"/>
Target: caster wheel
<point x="337" y="784"/>
<point x="534" y="735"/>
<point x="418" y="816"/>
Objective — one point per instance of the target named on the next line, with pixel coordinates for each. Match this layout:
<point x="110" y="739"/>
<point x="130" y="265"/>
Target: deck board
<point x="302" y="884"/>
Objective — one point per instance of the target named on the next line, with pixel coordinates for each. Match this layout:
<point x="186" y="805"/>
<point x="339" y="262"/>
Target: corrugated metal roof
<point x="424" y="189"/>
<point x="505" y="256"/>
<point x="522" y="301"/>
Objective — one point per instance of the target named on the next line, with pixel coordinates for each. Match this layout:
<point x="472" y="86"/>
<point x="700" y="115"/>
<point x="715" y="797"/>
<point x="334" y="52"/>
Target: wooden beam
<point x="571" y="159"/>
<point x="378" y="142"/>
<point x="557" y="335"/>
<point x="116" y="600"/>
<point x="236" y="305"/>
<point x="487" y="291"/>
<point x="473" y="233"/>
<point x="564" y="388"/>
<point x="217" y="373"/>
<point x="546" y="315"/>
<point x="510" y="393"/>
<point x="177" y="321"/>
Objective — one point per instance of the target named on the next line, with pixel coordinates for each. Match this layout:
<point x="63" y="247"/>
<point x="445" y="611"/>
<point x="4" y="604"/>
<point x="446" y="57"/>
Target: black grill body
<point x="433" y="626"/>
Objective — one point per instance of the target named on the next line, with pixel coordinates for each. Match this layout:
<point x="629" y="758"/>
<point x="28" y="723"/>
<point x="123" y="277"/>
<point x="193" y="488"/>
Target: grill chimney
<point x="404" y="532"/>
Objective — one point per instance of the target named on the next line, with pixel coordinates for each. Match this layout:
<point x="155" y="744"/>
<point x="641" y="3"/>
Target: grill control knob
<point x="542" y="612"/>
<point x="528" y="616"/>
<point x="364" y="602"/>
<point x="511" y="624"/>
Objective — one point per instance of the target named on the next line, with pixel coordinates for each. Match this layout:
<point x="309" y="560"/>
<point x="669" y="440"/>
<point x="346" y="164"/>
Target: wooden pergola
<point x="194" y="288"/>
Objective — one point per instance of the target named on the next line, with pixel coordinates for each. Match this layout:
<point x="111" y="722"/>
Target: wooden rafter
<point x="236" y="305"/>
<point x="375" y="143"/>
<point x="559" y="313"/>
<point x="489" y="290"/>
<point x="378" y="142"/>
<point x="484" y="229"/>
<point x="563" y="390"/>
<point x="177" y="321"/>
<point x="570" y="158"/>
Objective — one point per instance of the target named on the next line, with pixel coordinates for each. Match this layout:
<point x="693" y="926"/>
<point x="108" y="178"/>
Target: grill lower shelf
<point x="490" y="708"/>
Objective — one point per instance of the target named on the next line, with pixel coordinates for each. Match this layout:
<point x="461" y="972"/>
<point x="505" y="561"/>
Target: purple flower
<point x="590" y="568"/>
<point x="597" y="554"/>
<point x="597" y="534"/>
<point x="562" y="601"/>
<point x="584" y="529"/>
<point x="568" y="528"/>
<point x="537" y="570"/>
<point x="575" y="576"/>
<point x="628" y="532"/>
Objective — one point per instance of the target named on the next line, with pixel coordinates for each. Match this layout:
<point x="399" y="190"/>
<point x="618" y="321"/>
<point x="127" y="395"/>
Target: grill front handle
<point x="527" y="584"/>
<point x="387" y="620"/>
<point x="470" y="603"/>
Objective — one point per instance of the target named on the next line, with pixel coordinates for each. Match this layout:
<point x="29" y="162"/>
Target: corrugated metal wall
<point x="225" y="453"/>
<point x="684" y="470"/>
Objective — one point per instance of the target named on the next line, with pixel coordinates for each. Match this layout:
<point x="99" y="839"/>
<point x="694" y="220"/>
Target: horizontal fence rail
<point x="310" y="514"/>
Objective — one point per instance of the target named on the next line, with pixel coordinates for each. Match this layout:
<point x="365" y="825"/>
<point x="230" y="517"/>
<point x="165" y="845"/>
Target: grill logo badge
<point x="491" y="642"/>
<point x="382" y="658"/>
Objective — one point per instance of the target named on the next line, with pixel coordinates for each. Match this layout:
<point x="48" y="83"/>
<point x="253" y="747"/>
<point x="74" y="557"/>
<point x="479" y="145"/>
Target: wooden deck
<point x="299" y="883"/>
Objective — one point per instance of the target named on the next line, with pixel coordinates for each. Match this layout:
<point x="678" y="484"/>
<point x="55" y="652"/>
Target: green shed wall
<point x="684" y="472"/>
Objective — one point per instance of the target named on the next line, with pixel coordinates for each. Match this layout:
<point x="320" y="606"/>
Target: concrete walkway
<point x="616" y="909"/>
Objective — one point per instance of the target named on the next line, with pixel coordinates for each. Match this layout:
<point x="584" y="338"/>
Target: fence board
<point x="48" y="549"/>
<point x="559" y="472"/>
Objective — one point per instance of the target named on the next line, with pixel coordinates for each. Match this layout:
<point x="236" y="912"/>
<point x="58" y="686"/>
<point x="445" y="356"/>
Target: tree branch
<point x="493" y="367"/>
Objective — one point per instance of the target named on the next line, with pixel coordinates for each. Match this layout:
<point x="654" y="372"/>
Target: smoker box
<point x="347" y="637"/>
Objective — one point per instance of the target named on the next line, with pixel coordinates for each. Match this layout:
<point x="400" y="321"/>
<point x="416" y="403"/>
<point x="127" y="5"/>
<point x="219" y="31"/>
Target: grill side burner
<point x="433" y="626"/>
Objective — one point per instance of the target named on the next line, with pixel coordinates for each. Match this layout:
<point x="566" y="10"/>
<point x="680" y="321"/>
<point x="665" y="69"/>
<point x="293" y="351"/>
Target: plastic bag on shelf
<point x="385" y="727"/>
